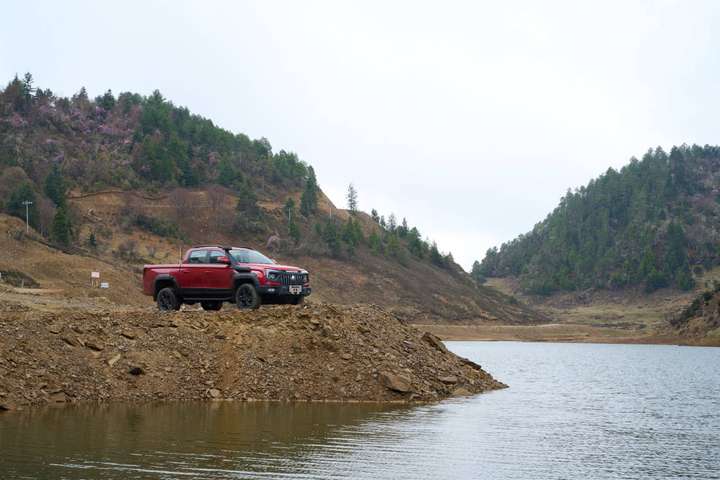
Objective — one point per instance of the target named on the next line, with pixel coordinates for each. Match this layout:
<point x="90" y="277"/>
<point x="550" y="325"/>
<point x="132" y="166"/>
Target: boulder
<point x="434" y="342"/>
<point x="449" y="379"/>
<point x="129" y="334"/>
<point x="114" y="360"/>
<point x="55" y="329"/>
<point x="58" y="397"/>
<point x="395" y="382"/>
<point x="461" y="392"/>
<point x="93" y="344"/>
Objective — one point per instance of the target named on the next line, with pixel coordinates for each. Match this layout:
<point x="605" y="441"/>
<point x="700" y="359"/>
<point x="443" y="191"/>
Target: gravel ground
<point x="320" y="352"/>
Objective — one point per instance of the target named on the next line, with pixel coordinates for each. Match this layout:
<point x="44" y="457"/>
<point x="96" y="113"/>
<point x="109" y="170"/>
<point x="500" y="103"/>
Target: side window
<point x="198" y="256"/>
<point x="214" y="255"/>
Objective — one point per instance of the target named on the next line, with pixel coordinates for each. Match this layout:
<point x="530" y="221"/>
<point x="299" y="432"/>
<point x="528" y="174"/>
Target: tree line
<point x="652" y="223"/>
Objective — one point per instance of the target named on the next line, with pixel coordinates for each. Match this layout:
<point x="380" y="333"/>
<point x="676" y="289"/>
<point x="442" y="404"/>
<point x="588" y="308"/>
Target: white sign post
<point x="94" y="276"/>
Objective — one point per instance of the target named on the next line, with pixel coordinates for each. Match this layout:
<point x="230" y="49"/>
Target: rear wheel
<point x="211" y="305"/>
<point x="167" y="300"/>
<point x="246" y="297"/>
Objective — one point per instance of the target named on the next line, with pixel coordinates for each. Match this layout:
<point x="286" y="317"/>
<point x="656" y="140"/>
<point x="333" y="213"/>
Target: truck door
<point x="218" y="276"/>
<point x="191" y="271"/>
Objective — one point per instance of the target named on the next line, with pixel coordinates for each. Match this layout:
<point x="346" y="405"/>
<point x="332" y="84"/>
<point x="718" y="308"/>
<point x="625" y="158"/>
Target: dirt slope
<point x="320" y="352"/>
<point x="416" y="290"/>
<point x="700" y="319"/>
<point x="62" y="276"/>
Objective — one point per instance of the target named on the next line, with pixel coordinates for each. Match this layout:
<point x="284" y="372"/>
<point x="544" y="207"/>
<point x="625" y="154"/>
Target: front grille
<point x="291" y="278"/>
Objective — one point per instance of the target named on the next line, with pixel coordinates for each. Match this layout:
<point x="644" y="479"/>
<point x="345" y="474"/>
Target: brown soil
<point x="600" y="316"/>
<point x="316" y="353"/>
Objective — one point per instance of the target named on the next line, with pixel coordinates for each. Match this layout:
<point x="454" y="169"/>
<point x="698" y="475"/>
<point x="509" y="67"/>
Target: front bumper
<point x="282" y="290"/>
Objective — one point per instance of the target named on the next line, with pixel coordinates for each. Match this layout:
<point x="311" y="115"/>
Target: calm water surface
<point x="573" y="411"/>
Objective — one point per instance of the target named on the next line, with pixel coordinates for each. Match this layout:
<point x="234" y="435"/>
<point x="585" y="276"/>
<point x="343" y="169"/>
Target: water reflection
<point x="148" y="440"/>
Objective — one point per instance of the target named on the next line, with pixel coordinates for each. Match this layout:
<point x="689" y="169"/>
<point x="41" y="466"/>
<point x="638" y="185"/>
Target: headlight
<point x="271" y="275"/>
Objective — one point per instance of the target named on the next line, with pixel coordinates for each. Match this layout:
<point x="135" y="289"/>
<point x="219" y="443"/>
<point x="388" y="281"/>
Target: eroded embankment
<point x="319" y="352"/>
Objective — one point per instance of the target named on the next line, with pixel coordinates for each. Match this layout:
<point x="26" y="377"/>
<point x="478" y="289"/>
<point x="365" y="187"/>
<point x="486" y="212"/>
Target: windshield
<point x="243" y="255"/>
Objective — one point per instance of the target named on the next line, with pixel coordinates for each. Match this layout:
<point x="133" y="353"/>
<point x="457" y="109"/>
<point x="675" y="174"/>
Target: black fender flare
<point x="163" y="277"/>
<point x="242" y="275"/>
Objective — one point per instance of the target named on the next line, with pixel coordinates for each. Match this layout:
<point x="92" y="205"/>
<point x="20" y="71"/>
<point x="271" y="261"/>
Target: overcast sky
<point x="471" y="119"/>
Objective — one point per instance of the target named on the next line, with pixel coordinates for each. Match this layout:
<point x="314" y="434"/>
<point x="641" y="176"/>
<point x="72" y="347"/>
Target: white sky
<point x="469" y="118"/>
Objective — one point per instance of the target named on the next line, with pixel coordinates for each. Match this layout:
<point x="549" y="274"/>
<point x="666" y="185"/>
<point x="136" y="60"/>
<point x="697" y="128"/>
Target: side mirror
<point x="225" y="260"/>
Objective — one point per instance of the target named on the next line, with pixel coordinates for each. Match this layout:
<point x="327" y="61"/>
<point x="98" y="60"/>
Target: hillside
<point x="653" y="224"/>
<point x="700" y="319"/>
<point x="121" y="181"/>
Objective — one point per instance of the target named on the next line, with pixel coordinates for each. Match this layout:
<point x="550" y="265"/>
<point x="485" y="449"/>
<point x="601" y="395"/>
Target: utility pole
<point x="27" y="215"/>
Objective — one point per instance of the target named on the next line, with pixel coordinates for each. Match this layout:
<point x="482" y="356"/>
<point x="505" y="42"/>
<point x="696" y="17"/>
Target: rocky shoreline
<point x="319" y="352"/>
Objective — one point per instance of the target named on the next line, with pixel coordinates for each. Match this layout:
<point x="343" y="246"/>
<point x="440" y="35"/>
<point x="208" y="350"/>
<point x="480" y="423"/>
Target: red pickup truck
<point x="213" y="274"/>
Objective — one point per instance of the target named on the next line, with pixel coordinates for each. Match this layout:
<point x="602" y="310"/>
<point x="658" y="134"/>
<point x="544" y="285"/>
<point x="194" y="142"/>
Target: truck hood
<point x="269" y="266"/>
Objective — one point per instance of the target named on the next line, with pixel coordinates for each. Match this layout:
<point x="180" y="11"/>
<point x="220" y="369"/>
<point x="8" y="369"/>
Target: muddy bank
<point x="316" y="353"/>
<point x="563" y="333"/>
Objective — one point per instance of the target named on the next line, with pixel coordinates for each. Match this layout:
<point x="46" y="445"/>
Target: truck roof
<point x="224" y="247"/>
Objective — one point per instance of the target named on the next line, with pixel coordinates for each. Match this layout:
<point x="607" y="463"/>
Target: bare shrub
<point x="127" y="250"/>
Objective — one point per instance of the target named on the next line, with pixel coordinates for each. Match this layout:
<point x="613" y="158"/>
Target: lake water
<point x="573" y="411"/>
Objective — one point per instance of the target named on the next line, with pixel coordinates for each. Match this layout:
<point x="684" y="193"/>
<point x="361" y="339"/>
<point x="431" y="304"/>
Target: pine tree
<point x="27" y="91"/>
<point x="309" y="200"/>
<point x="392" y="222"/>
<point x="226" y="172"/>
<point x="92" y="241"/>
<point x="375" y="243"/>
<point x="415" y="243"/>
<point x="331" y="238"/>
<point x="55" y="186"/>
<point x="61" y="228"/>
<point x="352" y="235"/>
<point x="352" y="199"/>
<point x="106" y="101"/>
<point x="294" y="231"/>
<point x="435" y="256"/>
<point x="476" y="273"/>
<point x="375" y="216"/>
<point x="395" y="249"/>
<point x="403" y="228"/>
<point x="289" y="209"/>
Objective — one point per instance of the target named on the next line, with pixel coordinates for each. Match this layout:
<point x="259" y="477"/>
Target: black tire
<point x="246" y="297"/>
<point x="167" y="300"/>
<point x="211" y="305"/>
<point x="298" y="300"/>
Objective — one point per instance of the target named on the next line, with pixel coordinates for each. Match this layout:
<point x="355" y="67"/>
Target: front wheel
<point x="211" y="305"/>
<point x="167" y="300"/>
<point x="246" y="297"/>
